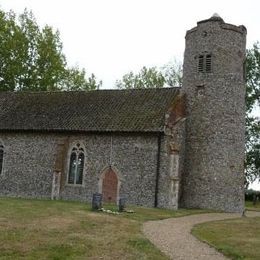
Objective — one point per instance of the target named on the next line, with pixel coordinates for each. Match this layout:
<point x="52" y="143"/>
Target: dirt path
<point x="172" y="236"/>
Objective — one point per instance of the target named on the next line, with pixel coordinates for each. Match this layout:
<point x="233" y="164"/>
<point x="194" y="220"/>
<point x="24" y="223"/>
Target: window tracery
<point x="76" y="165"/>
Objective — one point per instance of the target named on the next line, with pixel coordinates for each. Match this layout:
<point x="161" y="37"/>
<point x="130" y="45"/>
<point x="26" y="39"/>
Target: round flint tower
<point x="213" y="81"/>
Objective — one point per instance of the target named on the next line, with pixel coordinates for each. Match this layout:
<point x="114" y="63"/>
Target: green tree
<point x="170" y="75"/>
<point x="146" y="78"/>
<point x="76" y="80"/>
<point x="252" y="164"/>
<point x="31" y="58"/>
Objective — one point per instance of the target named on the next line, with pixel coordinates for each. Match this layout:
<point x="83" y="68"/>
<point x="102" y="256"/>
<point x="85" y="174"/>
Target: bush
<point x="250" y="194"/>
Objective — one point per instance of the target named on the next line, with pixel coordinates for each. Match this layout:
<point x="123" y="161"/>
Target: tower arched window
<point x="1" y="157"/>
<point x="76" y="165"/>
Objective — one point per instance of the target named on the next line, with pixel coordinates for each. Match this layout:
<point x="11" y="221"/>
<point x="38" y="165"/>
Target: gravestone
<point x="97" y="201"/>
<point x="121" y="204"/>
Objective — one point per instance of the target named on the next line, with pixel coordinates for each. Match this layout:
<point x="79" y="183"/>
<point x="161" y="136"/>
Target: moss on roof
<point x="101" y="110"/>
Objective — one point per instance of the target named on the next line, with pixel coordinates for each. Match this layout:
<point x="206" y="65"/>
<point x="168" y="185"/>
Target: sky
<point x="112" y="37"/>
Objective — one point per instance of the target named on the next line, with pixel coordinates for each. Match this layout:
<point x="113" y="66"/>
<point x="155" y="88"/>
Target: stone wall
<point x="214" y="159"/>
<point x="30" y="161"/>
<point x="28" y="165"/>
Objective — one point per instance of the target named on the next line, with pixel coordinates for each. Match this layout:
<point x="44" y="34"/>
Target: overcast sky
<point x="112" y="37"/>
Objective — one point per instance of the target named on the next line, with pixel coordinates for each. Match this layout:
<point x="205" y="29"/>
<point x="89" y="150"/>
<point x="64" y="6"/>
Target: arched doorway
<point x="110" y="186"/>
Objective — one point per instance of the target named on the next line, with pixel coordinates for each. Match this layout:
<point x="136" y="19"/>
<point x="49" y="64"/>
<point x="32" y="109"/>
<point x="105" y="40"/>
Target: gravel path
<point x="172" y="236"/>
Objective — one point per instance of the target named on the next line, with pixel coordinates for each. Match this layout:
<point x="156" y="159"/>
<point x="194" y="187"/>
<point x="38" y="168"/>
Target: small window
<point x="205" y="63"/>
<point x="200" y="90"/>
<point x="208" y="63"/>
<point x="200" y="65"/>
<point x="1" y="157"/>
<point x="76" y="165"/>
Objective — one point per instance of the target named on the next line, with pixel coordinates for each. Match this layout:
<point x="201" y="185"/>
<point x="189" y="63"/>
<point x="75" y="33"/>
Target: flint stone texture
<point x="213" y="169"/>
<point x="29" y="161"/>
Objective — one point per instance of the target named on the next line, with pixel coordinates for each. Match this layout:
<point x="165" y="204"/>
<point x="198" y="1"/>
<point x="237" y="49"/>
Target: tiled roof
<point x="101" y="110"/>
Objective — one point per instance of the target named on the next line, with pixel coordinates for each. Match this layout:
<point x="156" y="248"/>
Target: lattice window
<point x="76" y="165"/>
<point x="1" y="157"/>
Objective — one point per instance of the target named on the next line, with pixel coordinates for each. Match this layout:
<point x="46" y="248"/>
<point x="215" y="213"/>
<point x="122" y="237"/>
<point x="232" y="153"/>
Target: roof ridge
<point x="87" y="91"/>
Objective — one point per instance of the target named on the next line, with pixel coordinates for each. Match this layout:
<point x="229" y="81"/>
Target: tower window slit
<point x="200" y="65"/>
<point x="208" y="63"/>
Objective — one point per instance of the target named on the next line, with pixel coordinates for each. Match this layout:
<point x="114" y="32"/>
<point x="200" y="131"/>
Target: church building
<point x="161" y="147"/>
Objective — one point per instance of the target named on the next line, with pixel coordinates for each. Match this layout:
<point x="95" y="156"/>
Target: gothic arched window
<point x="1" y="157"/>
<point x="76" y="165"/>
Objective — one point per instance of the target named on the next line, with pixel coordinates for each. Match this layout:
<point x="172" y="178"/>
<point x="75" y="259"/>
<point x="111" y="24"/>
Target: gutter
<point x="157" y="170"/>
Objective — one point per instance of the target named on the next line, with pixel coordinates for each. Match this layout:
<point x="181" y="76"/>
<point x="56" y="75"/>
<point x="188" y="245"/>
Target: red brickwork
<point x="177" y="111"/>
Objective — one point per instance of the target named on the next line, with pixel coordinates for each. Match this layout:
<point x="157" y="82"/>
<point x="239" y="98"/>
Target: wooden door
<point x="109" y="186"/>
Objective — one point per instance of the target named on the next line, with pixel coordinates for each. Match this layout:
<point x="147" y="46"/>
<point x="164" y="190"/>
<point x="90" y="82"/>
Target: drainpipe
<point x="157" y="170"/>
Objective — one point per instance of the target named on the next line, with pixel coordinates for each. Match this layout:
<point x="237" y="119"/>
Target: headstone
<point x="121" y="205"/>
<point x="97" y="201"/>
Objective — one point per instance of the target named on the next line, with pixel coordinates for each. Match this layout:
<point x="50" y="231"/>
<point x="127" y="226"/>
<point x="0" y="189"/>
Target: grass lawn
<point x="250" y="206"/>
<point x="42" y="229"/>
<point x="237" y="238"/>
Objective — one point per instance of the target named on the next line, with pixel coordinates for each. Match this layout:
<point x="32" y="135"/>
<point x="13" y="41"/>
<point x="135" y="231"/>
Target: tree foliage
<point x="146" y="78"/>
<point x="75" y="79"/>
<point x="252" y="116"/>
<point x="172" y="73"/>
<point x="169" y="75"/>
<point x="32" y="58"/>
